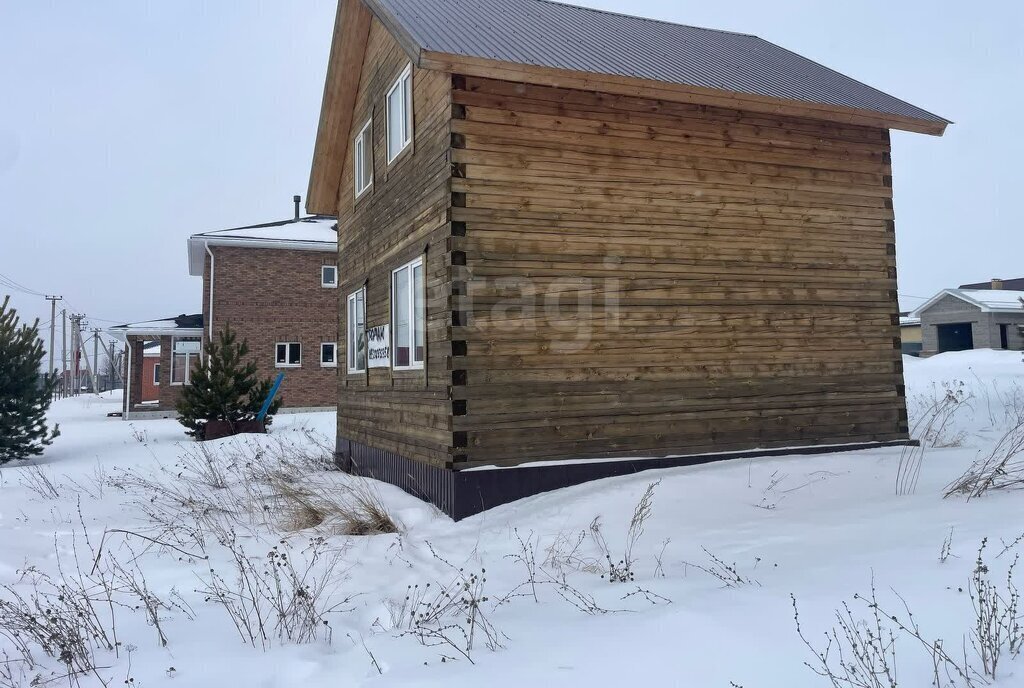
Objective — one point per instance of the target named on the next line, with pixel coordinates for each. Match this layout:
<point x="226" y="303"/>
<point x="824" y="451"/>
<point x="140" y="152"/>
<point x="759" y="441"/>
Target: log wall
<point x="650" y="278"/>
<point x="403" y="216"/>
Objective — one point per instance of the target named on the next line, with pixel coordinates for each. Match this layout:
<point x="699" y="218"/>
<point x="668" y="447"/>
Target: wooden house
<point x="576" y="244"/>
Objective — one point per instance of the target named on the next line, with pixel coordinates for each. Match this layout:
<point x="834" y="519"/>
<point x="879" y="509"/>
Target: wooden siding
<point x="646" y="277"/>
<point x="403" y="216"/>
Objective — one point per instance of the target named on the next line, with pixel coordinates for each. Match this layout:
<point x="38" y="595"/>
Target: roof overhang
<point x="660" y="90"/>
<point x="348" y="46"/>
<point x="122" y="333"/>
<point x="348" y="49"/>
<point x="198" y="243"/>
<point x="957" y="294"/>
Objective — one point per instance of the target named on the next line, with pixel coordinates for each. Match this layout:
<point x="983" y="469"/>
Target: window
<point x="184" y="354"/>
<point x="400" y="114"/>
<point x="363" y="168"/>
<point x="289" y="355"/>
<point x="328" y="355"/>
<point x="329" y="276"/>
<point x="408" y="316"/>
<point x="356" y="341"/>
<point x="156" y="374"/>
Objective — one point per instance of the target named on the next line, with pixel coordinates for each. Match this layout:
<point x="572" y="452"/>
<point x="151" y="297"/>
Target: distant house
<point x="568" y="234"/>
<point x="158" y="363"/>
<point x="276" y="285"/>
<point x="910" y="335"/>
<point x="972" y="318"/>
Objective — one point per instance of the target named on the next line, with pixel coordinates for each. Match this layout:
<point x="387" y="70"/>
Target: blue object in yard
<point x="270" y="397"/>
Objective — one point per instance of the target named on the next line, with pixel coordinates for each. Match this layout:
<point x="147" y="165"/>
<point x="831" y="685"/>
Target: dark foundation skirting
<point x="464" y="493"/>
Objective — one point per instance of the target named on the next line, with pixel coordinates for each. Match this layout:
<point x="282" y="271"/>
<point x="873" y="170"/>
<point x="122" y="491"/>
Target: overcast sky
<point x="127" y="126"/>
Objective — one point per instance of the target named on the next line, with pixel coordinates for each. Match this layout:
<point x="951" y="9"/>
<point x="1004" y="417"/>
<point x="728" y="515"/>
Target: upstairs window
<point x="408" y="316"/>
<point x="329" y="276"/>
<point x="400" y="114"/>
<point x="356" y="341"/>
<point x="363" y="167"/>
<point x="156" y="374"/>
<point x="289" y="355"/>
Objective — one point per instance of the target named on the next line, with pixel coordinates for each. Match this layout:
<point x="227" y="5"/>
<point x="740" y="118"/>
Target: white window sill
<point x="352" y="371"/>
<point x="288" y="365"/>
<point x="328" y="365"/>
<point x="402" y="369"/>
<point x="329" y="286"/>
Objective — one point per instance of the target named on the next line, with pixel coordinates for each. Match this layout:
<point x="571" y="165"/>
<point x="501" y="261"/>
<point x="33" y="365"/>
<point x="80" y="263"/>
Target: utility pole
<point x="115" y="369"/>
<point x="53" y="326"/>
<point x="76" y="352"/>
<point x="84" y="356"/>
<point x="95" y="359"/>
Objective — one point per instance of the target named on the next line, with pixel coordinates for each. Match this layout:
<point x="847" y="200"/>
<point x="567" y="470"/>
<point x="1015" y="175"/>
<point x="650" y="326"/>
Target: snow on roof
<point x="318" y="228"/>
<point x="996" y="299"/>
<point x="182" y="324"/>
<point x="314" y="233"/>
<point x="988" y="300"/>
<point x="909" y="322"/>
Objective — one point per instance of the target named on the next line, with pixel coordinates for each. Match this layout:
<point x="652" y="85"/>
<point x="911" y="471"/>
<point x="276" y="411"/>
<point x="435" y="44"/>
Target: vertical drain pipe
<point x="128" y="381"/>
<point x="213" y="263"/>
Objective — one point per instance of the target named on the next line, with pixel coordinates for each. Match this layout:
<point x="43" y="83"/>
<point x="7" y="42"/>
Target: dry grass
<point x="1001" y="469"/>
<point x="354" y="509"/>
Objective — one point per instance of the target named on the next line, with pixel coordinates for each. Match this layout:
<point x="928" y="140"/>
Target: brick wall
<point x="274" y="295"/>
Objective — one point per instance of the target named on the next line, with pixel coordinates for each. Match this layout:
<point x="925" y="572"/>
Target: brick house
<point x="981" y="316"/>
<point x="276" y="285"/>
<point x="159" y="355"/>
<point x="625" y="240"/>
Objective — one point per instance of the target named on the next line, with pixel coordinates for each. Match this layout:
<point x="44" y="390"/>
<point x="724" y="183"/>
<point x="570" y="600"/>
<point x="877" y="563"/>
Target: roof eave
<point x="348" y="47"/>
<point x="197" y="248"/>
<point x="660" y="90"/>
<point x="120" y="333"/>
<point x="955" y="293"/>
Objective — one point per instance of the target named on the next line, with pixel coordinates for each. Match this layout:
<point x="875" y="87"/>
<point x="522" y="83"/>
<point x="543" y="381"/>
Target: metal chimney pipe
<point x="997" y="283"/>
<point x="298" y="201"/>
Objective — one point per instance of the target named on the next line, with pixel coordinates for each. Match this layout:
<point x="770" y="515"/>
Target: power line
<point x="7" y="281"/>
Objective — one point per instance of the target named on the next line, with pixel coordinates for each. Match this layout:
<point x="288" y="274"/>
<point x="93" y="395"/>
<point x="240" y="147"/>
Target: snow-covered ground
<point x="139" y="496"/>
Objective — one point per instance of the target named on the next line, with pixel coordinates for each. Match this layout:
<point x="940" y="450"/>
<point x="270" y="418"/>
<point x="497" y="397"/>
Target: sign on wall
<point x="379" y="346"/>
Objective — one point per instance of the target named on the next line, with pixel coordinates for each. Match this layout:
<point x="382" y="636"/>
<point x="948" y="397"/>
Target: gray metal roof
<point x="551" y="34"/>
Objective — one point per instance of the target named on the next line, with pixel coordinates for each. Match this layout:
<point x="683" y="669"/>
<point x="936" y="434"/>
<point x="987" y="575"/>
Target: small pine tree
<point x="223" y="387"/>
<point x="24" y="394"/>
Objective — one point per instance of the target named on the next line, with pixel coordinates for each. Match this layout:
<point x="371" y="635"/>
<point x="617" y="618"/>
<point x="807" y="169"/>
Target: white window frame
<point x="332" y="364"/>
<point x="287" y="355"/>
<point x="156" y="374"/>
<point x="413" y="363"/>
<point x="350" y="343"/>
<point x="323" y="277"/>
<point x="404" y="82"/>
<point x="363" y="146"/>
<point x="190" y="358"/>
